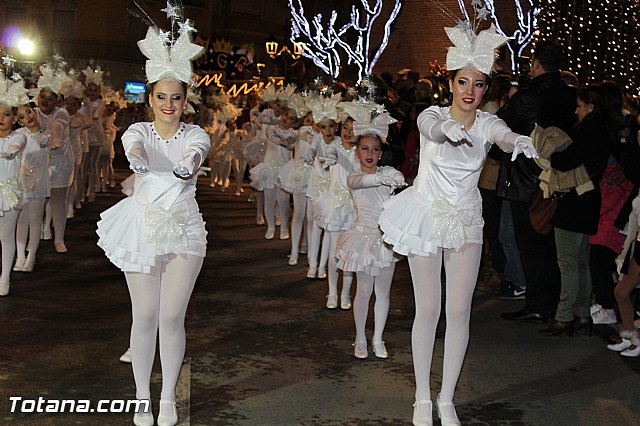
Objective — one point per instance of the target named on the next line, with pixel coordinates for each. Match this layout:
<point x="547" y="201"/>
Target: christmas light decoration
<point x="600" y="38"/>
<point x="327" y="44"/>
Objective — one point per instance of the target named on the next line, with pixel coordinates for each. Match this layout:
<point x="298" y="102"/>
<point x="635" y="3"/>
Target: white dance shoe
<point x="168" y="420"/>
<point x="60" y="247"/>
<point x="4" y="288"/>
<point x="126" y="357"/>
<point x="345" y="302"/>
<point x="312" y="272"/>
<point x="293" y="259"/>
<point x="332" y="301"/>
<point x="144" y="418"/>
<point x="422" y="413"/>
<point x="619" y="347"/>
<point x="19" y="266"/>
<point x="445" y="408"/>
<point x="269" y="234"/>
<point x="322" y="273"/>
<point x="284" y="234"/>
<point x="379" y="349"/>
<point x="360" y="350"/>
<point x="46" y="234"/>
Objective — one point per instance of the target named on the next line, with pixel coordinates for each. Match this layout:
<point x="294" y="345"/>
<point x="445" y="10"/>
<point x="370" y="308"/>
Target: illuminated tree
<point x="601" y="38"/>
<point x="329" y="44"/>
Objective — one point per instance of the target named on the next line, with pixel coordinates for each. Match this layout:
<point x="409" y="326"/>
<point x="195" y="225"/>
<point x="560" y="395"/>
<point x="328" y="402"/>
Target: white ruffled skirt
<point x="136" y="237"/>
<point x="10" y="195"/>
<point x="334" y="210"/>
<point x="416" y="225"/>
<point x="361" y="249"/>
<point x="263" y="176"/>
<point x="294" y="176"/>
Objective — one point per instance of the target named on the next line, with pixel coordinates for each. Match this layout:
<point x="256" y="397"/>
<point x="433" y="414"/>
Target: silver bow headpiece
<point x="269" y="94"/>
<point x="171" y="61"/>
<point x="469" y="49"/>
<point x="12" y="93"/>
<point x="324" y="108"/>
<point x="51" y="79"/>
<point x="368" y="118"/>
<point x="298" y="103"/>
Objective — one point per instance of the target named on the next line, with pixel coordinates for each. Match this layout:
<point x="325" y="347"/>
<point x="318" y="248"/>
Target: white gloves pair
<point x="524" y="145"/>
<point x="455" y="131"/>
<point x="330" y="158"/>
<point x="396" y="181"/>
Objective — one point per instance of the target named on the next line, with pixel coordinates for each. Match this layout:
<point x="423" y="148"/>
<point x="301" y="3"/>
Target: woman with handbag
<point x="576" y="216"/>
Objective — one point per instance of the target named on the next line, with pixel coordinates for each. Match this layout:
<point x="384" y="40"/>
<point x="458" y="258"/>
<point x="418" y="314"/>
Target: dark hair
<point x="151" y="86"/>
<point x="615" y="94"/>
<point x="603" y="112"/>
<point x="549" y="54"/>
<point x="454" y="73"/>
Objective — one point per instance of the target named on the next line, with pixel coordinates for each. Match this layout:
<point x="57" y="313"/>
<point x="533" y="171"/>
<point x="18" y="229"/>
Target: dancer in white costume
<point x="34" y="179"/>
<point x="360" y="249"/>
<point x="94" y="107"/>
<point x="294" y="176"/>
<point x="279" y="143"/>
<point x="12" y="94"/>
<point x="325" y="116"/>
<point x="61" y="160"/>
<point x="157" y="236"/>
<point x="335" y="212"/>
<point x="440" y="217"/>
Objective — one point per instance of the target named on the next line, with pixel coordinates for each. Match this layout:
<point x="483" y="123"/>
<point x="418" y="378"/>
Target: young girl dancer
<point x="94" y="106"/>
<point x="360" y="249"/>
<point x="325" y="116"/>
<point x="294" y="178"/>
<point x="279" y="143"/>
<point x="157" y="236"/>
<point x="61" y="161"/>
<point x="34" y="178"/>
<point x="335" y="212"/>
<point x="440" y="217"/>
<point x="11" y="144"/>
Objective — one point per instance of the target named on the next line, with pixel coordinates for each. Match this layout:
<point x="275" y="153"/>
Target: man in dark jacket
<point x="547" y="101"/>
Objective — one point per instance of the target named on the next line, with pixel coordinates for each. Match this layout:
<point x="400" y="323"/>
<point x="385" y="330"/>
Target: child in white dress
<point x="280" y="140"/>
<point x="360" y="249"/>
<point x="335" y="212"/>
<point x="11" y="145"/>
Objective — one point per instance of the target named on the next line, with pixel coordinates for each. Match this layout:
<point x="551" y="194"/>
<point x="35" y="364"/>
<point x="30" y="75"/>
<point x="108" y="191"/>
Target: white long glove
<point x="137" y="163"/>
<point x="524" y="145"/>
<point x="11" y="151"/>
<point x="187" y="166"/>
<point x="455" y="131"/>
<point x="330" y="158"/>
<point x="392" y="181"/>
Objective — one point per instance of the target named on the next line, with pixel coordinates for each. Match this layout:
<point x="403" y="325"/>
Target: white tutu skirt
<point x="61" y="170"/>
<point x="10" y="195"/>
<point x="294" y="176"/>
<point x="318" y="184"/>
<point x="362" y="250"/>
<point x="253" y="152"/>
<point x="134" y="243"/>
<point x="416" y="225"/>
<point x="263" y="176"/>
<point x="334" y="210"/>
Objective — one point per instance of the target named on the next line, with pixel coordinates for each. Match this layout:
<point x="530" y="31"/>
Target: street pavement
<point x="262" y="349"/>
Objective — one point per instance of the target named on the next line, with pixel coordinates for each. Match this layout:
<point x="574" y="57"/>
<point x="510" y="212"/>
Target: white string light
<point x="327" y="45"/>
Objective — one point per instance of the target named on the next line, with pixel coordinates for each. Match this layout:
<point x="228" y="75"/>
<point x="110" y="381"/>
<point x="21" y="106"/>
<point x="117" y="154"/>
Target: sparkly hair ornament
<point x="71" y="87"/>
<point x="284" y="94"/>
<point x="51" y="79"/>
<point x="269" y="94"/>
<point x="169" y="57"/>
<point x="369" y="118"/>
<point x="299" y="104"/>
<point x="324" y="108"/>
<point x="471" y="48"/>
<point x="12" y="92"/>
<point x="93" y="76"/>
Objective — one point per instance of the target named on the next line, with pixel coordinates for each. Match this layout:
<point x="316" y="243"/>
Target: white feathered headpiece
<point x="93" y="76"/>
<point x="299" y="104"/>
<point x="12" y="93"/>
<point x="324" y="108"/>
<point x="51" y="79"/>
<point x="471" y="48"/>
<point x="369" y="118"/>
<point x="168" y="57"/>
<point x="269" y="94"/>
<point x="285" y="94"/>
<point x="71" y="87"/>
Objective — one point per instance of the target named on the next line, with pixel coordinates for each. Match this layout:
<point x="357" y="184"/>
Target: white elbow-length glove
<point x="137" y="163"/>
<point x="455" y="131"/>
<point x="524" y="145"/>
<point x="187" y="166"/>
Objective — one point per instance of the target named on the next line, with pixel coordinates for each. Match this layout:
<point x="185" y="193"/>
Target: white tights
<point x="94" y="172"/>
<point x="332" y="270"/>
<point x="365" y="286"/>
<point x="56" y="209"/>
<point x="314" y="246"/>
<point x="271" y="196"/>
<point x="72" y="195"/>
<point x="159" y="303"/>
<point x="298" y="223"/>
<point x="238" y="166"/>
<point x="29" y="225"/>
<point x="461" y="274"/>
<point x="8" y="240"/>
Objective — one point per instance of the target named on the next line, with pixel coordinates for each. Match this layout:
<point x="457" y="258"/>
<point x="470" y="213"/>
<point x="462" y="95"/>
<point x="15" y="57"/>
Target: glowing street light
<point x="25" y="46"/>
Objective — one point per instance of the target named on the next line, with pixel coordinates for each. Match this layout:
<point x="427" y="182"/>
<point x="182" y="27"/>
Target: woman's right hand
<point x="455" y="131"/>
<point x="137" y="163"/>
